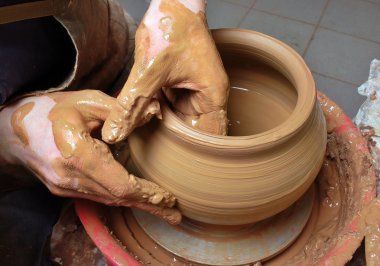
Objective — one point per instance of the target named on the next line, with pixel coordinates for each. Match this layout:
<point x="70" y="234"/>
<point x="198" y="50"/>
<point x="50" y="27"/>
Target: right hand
<point x="174" y="52"/>
<point x="51" y="136"/>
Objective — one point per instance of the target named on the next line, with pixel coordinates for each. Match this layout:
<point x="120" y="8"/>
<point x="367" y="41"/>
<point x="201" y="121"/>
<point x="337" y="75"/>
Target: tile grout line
<point x="232" y="2"/>
<point x="282" y="16"/>
<point x="336" y="79"/>
<point x="316" y="28"/>
<point x="246" y="13"/>
<point x="369" y="1"/>
<point x="305" y="22"/>
<point x="351" y="35"/>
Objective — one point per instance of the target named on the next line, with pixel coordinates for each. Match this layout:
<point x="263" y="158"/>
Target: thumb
<point x="126" y="116"/>
<point x="136" y="104"/>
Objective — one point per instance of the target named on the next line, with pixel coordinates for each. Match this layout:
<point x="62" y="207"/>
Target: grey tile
<point x="246" y="3"/>
<point x="344" y="94"/>
<point x="374" y="1"/>
<point x="359" y="18"/>
<point x="136" y="8"/>
<point x="294" y="33"/>
<point x="341" y="56"/>
<point x="222" y="14"/>
<point x="305" y="10"/>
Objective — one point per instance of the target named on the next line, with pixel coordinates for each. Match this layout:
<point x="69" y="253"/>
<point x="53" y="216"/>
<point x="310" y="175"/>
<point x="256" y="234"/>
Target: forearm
<point x="194" y="5"/>
<point x="155" y="13"/>
<point x="6" y="142"/>
<point x="161" y="17"/>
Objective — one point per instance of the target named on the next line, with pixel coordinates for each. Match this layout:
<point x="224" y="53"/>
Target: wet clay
<point x="65" y="236"/>
<point x="17" y="122"/>
<point x="276" y="146"/>
<point x="370" y="225"/>
<point x="346" y="185"/>
<point x="197" y="91"/>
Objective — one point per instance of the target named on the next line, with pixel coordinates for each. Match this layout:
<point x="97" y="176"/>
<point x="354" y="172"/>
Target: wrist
<point x="6" y="142"/>
<point x="194" y="5"/>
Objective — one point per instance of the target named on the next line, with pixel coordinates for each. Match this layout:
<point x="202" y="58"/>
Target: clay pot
<point x="275" y="147"/>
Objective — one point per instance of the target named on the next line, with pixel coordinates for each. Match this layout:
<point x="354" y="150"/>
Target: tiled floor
<point x="337" y="38"/>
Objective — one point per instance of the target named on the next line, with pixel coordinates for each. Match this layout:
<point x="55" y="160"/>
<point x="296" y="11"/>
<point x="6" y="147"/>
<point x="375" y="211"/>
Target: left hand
<point x="52" y="136"/>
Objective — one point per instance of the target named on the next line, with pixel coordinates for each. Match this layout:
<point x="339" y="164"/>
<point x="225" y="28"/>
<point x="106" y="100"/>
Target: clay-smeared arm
<point x="51" y="136"/>
<point x="174" y="52"/>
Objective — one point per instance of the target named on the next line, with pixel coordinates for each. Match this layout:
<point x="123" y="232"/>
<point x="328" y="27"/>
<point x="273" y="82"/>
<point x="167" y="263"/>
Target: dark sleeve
<point x="35" y="54"/>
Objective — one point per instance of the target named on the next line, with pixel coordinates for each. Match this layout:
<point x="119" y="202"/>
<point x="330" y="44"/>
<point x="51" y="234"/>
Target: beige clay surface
<point x="277" y="143"/>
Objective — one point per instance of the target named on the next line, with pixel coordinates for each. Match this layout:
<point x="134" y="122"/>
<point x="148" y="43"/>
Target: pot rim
<point x="289" y="63"/>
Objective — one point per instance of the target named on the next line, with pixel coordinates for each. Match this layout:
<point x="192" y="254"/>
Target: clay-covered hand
<point x="174" y="52"/>
<point x="51" y="136"/>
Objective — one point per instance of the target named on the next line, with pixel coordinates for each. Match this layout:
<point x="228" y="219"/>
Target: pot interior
<point x="260" y="98"/>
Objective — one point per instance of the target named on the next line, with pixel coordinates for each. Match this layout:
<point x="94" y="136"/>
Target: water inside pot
<point x="260" y="98"/>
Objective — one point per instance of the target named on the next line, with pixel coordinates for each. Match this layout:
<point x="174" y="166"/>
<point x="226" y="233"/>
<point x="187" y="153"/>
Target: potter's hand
<point x="51" y="136"/>
<point x="175" y="52"/>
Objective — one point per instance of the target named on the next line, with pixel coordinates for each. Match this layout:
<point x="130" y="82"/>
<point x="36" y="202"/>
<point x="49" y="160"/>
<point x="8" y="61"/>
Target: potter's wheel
<point x="225" y="245"/>
<point x="156" y="241"/>
<point x="345" y="185"/>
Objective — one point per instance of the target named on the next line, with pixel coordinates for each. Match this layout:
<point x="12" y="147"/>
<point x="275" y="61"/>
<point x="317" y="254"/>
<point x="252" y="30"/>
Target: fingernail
<point x="174" y="218"/>
<point x="171" y="201"/>
<point x="110" y="133"/>
<point x="156" y="198"/>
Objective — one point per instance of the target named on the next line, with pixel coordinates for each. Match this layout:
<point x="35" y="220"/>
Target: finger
<point x="74" y="187"/>
<point x="135" y="103"/>
<point x="92" y="170"/>
<point x="183" y="100"/>
<point x="88" y="106"/>
<point x="171" y="215"/>
<point x="199" y="109"/>
<point x="92" y="191"/>
<point x="214" y="122"/>
<point x="93" y="105"/>
<point x="70" y="183"/>
<point x="97" y="163"/>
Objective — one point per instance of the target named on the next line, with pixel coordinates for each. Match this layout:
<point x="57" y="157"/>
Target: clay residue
<point x="337" y="207"/>
<point x="126" y="229"/>
<point x="372" y="233"/>
<point x="17" y="122"/>
<point x="347" y="184"/>
<point x="70" y="244"/>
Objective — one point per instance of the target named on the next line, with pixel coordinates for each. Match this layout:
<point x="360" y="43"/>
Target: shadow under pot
<point x="274" y="149"/>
